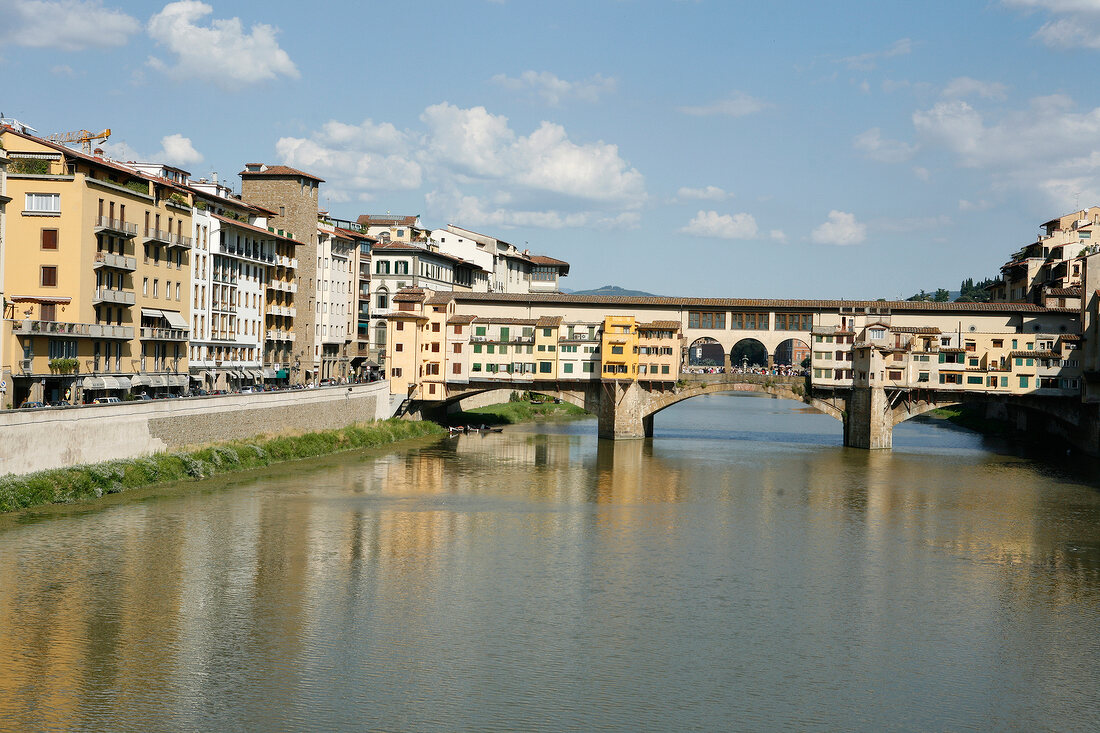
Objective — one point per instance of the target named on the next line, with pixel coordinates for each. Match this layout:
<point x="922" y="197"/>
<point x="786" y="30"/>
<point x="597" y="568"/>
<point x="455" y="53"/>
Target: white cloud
<point x="221" y="52"/>
<point x="777" y="235"/>
<point x="553" y="89"/>
<point x="868" y="61"/>
<point x="175" y="149"/>
<point x="178" y="150"/>
<point x="980" y="205"/>
<point x="875" y="147"/>
<point x="922" y="174"/>
<point x="477" y="168"/>
<point x="708" y="193"/>
<point x="738" y="104"/>
<point x="964" y="86"/>
<point x="66" y="25"/>
<point x="722" y="226"/>
<point x="1076" y="23"/>
<point x="841" y="228"/>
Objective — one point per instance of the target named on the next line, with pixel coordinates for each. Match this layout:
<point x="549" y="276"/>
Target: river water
<point x="740" y="571"/>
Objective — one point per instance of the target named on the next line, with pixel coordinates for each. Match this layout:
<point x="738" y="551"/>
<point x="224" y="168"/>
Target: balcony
<point x="78" y="330"/>
<point x="283" y="286"/>
<point x="109" y="295"/>
<point x="119" y="262"/>
<point x="157" y="236"/>
<point x="164" y="334"/>
<point x="281" y="310"/>
<point x="274" y="334"/>
<point x="179" y="240"/>
<point x="284" y="261"/>
<point x="115" y="226"/>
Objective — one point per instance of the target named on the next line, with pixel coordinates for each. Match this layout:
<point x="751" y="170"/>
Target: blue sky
<point x="712" y="148"/>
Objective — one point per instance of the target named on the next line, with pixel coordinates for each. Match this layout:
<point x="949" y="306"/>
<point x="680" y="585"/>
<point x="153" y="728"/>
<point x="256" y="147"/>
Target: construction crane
<point x="83" y="137"/>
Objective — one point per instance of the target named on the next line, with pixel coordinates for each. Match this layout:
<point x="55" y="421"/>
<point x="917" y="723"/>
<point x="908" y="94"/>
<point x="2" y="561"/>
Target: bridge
<point x="872" y="364"/>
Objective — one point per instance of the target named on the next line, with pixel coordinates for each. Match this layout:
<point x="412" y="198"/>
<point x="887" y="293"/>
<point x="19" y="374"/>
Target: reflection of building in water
<point x="628" y="473"/>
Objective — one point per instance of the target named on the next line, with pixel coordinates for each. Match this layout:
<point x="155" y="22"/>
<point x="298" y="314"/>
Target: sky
<point x="714" y="148"/>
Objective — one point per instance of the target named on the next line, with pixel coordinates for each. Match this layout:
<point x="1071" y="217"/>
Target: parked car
<point x="31" y="405"/>
<point x="247" y="389"/>
<point x="143" y="396"/>
<point x="327" y="382"/>
<point x="106" y="401"/>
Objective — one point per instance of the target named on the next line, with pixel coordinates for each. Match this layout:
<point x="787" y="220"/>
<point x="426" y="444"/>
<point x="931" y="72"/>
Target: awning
<point x="196" y="378"/>
<point x="152" y="313"/>
<point x="112" y="383"/>
<point x="158" y="380"/>
<point x="175" y="320"/>
<point x="270" y="373"/>
<point x="123" y="382"/>
<point x="141" y="380"/>
<point x="256" y="373"/>
<point x="211" y="375"/>
<point x="92" y="383"/>
<point x="56" y="300"/>
<point x="177" y="380"/>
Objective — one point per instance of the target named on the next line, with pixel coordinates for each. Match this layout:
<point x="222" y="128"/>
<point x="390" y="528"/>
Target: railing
<point x="179" y="240"/>
<point x="119" y="262"/>
<point x="61" y="328"/>
<point x="281" y="310"/>
<point x="109" y="295"/>
<point x="158" y="235"/>
<point x="115" y="225"/>
<point x="283" y="286"/>
<point x="164" y="334"/>
<point x="274" y="334"/>
<point x="479" y="339"/>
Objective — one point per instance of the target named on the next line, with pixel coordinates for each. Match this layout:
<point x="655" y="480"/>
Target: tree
<point x="941" y="296"/>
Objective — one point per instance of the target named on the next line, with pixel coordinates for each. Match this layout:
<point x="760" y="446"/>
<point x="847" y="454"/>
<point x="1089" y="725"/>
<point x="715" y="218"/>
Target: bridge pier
<point x="867" y="422"/>
<point x="621" y="408"/>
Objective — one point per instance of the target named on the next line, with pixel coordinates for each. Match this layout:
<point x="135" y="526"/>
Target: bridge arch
<point x="706" y="351"/>
<point x="791" y="351"/>
<point x="750" y="352"/>
<point x="781" y="388"/>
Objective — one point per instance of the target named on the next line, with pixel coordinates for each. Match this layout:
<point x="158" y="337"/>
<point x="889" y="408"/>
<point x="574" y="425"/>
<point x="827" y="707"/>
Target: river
<point x="740" y="571"/>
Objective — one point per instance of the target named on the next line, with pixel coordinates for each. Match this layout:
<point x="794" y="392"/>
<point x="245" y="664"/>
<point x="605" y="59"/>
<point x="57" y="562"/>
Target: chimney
<point x="98" y="152"/>
<point x="214" y="176"/>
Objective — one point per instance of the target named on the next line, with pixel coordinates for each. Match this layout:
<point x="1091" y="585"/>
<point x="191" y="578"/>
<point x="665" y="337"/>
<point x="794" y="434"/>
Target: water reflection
<point x="548" y="581"/>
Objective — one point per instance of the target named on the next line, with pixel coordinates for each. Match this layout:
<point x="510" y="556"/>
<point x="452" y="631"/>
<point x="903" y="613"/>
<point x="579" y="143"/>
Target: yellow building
<point x="96" y="276"/>
<point x="619" y="348"/>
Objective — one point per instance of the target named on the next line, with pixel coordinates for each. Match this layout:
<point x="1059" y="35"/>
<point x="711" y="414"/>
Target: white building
<point x="510" y="270"/>
<point x="334" y="302"/>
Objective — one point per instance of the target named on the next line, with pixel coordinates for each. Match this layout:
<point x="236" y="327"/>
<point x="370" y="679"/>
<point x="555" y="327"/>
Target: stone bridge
<point x="626" y="409"/>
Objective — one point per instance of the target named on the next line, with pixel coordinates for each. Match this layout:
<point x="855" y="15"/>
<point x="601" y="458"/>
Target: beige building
<point x="97" y="276"/>
<point x="1048" y="270"/>
<point x="291" y="196"/>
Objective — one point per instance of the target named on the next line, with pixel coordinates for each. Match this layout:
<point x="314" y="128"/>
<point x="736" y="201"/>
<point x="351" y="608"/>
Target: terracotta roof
<point x="461" y="319"/>
<point x="1065" y="292"/>
<point x="660" y="326"/>
<point x="383" y="219"/>
<point x="1044" y="354"/>
<point x="252" y="227"/>
<point x="896" y="306"/>
<point x="507" y="321"/>
<point x="1070" y="337"/>
<point x="352" y="234"/>
<point x="952" y="350"/>
<point x="441" y="298"/>
<point x="544" y="260"/>
<point x="549" y="321"/>
<point x="279" y="170"/>
<point x="916" y="329"/>
<point x="409" y="295"/>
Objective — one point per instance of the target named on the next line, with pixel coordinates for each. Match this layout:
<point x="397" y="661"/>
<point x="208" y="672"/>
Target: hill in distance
<point x="609" y="290"/>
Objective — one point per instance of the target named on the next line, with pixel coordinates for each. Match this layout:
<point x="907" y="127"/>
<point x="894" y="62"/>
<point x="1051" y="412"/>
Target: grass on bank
<point x="970" y="418"/>
<point x="67" y="485"/>
<point x="521" y="409"/>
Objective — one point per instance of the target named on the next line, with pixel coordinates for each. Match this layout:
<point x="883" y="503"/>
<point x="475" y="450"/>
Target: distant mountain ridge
<point x="610" y="290"/>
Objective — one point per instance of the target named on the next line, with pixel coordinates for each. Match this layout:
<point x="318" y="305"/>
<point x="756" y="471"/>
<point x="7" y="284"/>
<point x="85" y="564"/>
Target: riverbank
<point x="970" y="418"/>
<point x="89" y="482"/>
<point x="510" y="413"/>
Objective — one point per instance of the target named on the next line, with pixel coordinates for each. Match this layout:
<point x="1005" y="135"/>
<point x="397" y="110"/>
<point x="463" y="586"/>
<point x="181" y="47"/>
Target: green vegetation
<point x="519" y="409"/>
<point x="137" y="185"/>
<point x="969" y="292"/>
<point x="29" y="166"/>
<point x="64" y="366"/>
<point x="970" y="418"/>
<point x="78" y="483"/>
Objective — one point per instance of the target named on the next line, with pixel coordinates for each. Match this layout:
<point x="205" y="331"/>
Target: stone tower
<point x="292" y="195"/>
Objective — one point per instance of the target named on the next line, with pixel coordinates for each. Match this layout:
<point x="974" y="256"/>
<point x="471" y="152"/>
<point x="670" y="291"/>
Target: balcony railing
<point x="283" y="286"/>
<point x="164" y="334"/>
<point x="158" y="235"/>
<point x="274" y="334"/>
<point x="281" y="310"/>
<point x="109" y="295"/>
<point x="78" y="330"/>
<point x="116" y="226"/>
<point x="179" y="240"/>
<point x="119" y="262"/>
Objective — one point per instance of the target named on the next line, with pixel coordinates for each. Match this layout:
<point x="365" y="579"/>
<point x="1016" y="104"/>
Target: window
<point x="49" y="239"/>
<point x="749" y="321"/>
<point x="1024" y="380"/>
<point x="616" y="349"/>
<point x="877" y="333"/>
<point x="567" y="368"/>
<point x="398" y="347"/>
<point x="546" y="367"/>
<point x="547" y="332"/>
<point x="401" y="268"/>
<point x="706" y="319"/>
<point x="456" y="369"/>
<point x="382" y="267"/>
<point x="49" y="276"/>
<point x="43" y="203"/>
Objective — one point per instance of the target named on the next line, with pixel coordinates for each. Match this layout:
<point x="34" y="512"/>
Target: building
<point x="335" y="301"/>
<point x="393" y="228"/>
<point x="1049" y="269"/>
<point x="242" y="294"/>
<point x="97" y="275"/>
<point x="291" y="196"/>
<point x="4" y="201"/>
<point x="510" y="270"/>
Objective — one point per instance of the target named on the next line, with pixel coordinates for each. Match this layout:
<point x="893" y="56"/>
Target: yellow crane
<point x="83" y="137"/>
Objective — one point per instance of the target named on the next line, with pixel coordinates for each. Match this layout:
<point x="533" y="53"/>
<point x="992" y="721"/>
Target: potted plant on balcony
<point x="63" y="366"/>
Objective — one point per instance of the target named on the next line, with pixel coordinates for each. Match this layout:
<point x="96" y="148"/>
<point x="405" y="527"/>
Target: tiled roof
<point x="549" y="321"/>
<point x="507" y="321"/>
<point x="384" y="219"/>
<point x="952" y="350"/>
<point x="660" y="326"/>
<point x="351" y="234"/>
<point x="1070" y="337"/>
<point x="409" y="295"/>
<point x="461" y="319"/>
<point x="441" y="298"/>
<point x="916" y="329"/>
<point x="1034" y="355"/>
<point x="252" y="228"/>
<point x="1065" y="292"/>
<point x="279" y="170"/>
<point x="896" y="306"/>
<point x="544" y="260"/>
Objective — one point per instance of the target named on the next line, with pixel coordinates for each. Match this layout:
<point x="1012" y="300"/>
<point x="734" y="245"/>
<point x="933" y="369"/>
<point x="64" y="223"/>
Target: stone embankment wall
<point x="35" y="440"/>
